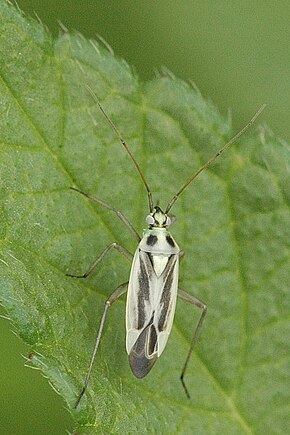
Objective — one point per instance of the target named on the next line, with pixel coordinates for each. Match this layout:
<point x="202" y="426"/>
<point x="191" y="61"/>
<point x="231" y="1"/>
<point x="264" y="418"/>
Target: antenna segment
<point x="126" y="148"/>
<point x="213" y="158"/>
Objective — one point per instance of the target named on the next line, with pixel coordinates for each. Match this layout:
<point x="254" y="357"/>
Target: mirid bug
<point x="153" y="282"/>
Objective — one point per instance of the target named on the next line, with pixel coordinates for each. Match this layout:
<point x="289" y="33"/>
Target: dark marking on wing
<point x="140" y="363"/>
<point x="170" y="241"/>
<point x="151" y="240"/>
<point x="166" y="294"/>
<point x="152" y="340"/>
<point x="144" y="288"/>
<point x="150" y="256"/>
<point x="143" y="278"/>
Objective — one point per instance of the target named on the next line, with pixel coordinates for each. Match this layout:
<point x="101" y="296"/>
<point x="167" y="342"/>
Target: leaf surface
<point x="232" y="223"/>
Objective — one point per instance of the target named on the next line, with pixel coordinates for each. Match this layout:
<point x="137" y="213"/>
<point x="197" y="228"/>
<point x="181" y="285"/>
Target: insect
<point x="152" y="288"/>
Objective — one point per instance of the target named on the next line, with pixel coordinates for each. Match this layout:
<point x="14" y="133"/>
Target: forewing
<point x="151" y="303"/>
<point x="142" y="282"/>
<point x="164" y="315"/>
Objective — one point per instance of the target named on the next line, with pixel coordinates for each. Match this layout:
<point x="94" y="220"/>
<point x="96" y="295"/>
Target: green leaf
<point x="233" y="224"/>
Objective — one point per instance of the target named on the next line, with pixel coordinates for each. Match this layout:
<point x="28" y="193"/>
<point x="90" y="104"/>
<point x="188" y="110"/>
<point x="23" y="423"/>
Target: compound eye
<point x="150" y="219"/>
<point x="168" y="221"/>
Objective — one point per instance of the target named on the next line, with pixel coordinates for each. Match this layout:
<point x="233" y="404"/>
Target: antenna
<point x="126" y="148"/>
<point x="213" y="158"/>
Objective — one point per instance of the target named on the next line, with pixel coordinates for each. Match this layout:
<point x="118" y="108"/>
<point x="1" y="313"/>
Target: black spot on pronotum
<point x="170" y="241"/>
<point x="151" y="240"/>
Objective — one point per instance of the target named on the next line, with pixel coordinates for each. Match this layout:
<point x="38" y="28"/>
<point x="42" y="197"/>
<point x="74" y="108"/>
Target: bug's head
<point x="158" y="219"/>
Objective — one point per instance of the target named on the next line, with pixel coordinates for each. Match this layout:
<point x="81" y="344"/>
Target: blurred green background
<point x="237" y="53"/>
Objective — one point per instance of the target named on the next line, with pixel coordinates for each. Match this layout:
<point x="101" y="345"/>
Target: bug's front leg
<point x="118" y="213"/>
<point x="111" y="246"/>
<point x="191" y="299"/>
<point x="114" y="296"/>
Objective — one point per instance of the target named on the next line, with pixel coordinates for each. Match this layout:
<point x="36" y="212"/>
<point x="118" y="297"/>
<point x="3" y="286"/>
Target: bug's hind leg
<point x="191" y="299"/>
<point x="181" y="254"/>
<point x="113" y="245"/>
<point x="114" y="296"/>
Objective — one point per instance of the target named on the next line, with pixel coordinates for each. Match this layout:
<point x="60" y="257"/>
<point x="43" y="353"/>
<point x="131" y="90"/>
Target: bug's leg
<point x="181" y="254"/>
<point x="189" y="298"/>
<point x="118" y="213"/>
<point x="113" y="245"/>
<point x="173" y="219"/>
<point x="114" y="296"/>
